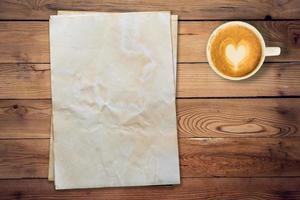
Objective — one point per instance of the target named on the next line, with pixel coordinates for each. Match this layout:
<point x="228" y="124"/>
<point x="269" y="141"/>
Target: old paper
<point x="174" y="32"/>
<point x="51" y="159"/>
<point x="113" y="101"/>
<point x="174" y="27"/>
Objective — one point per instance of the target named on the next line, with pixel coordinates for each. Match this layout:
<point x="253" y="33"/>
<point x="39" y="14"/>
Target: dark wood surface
<point x="237" y="140"/>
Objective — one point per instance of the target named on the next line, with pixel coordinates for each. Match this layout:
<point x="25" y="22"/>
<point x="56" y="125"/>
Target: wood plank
<point x="30" y="40"/>
<point x="199" y="157"/>
<point x="25" y="118"/>
<point x="231" y="157"/>
<point x="193" y="37"/>
<point x="24" y="42"/>
<point x="32" y="81"/>
<point x="189" y="9"/>
<point x="25" y="81"/>
<point x="24" y="158"/>
<point x="273" y="79"/>
<point x="238" y="117"/>
<point x="196" y="118"/>
<point x="190" y="189"/>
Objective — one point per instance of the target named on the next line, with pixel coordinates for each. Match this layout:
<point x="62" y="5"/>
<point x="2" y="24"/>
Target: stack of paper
<point x="113" y="92"/>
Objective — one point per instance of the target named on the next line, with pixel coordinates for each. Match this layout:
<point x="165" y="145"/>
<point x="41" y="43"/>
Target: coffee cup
<point x="264" y="51"/>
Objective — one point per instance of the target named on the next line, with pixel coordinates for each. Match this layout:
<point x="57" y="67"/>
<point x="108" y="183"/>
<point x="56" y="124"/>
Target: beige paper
<point x="51" y="159"/>
<point x="114" y="110"/>
<point x="174" y="32"/>
<point x="174" y="27"/>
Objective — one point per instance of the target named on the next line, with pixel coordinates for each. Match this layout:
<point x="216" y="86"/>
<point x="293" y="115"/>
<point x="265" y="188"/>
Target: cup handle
<point x="272" y="51"/>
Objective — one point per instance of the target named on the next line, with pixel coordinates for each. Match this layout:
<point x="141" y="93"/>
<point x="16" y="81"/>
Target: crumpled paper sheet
<point x="113" y="132"/>
<point x="174" y="32"/>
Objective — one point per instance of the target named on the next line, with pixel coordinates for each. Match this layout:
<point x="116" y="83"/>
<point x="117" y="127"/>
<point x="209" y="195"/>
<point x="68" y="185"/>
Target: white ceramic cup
<point x="266" y="51"/>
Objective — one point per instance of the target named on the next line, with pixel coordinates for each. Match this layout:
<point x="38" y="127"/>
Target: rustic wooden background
<point x="238" y="140"/>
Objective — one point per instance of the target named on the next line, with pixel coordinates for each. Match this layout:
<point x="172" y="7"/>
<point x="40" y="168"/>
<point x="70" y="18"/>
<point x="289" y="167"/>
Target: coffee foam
<point x="235" y="50"/>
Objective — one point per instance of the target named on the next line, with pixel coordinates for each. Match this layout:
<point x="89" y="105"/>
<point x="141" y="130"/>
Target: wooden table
<point x="238" y="140"/>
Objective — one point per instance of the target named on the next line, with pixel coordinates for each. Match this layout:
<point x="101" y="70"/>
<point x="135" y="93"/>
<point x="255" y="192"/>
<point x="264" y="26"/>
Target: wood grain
<point x="227" y="138"/>
<point x="199" y="157"/>
<point x="25" y="81"/>
<point x="24" y="158"/>
<point x="23" y="42"/>
<point x="231" y="157"/>
<point x="193" y="37"/>
<point x="32" y="81"/>
<point x="238" y="117"/>
<point x="189" y="9"/>
<point x="25" y="118"/>
<point x="259" y="118"/>
<point x="190" y="189"/>
<point x="273" y="79"/>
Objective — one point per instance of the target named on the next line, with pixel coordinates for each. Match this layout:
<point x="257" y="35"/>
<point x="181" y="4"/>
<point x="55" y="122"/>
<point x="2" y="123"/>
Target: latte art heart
<point x="236" y="54"/>
<point x="235" y="51"/>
